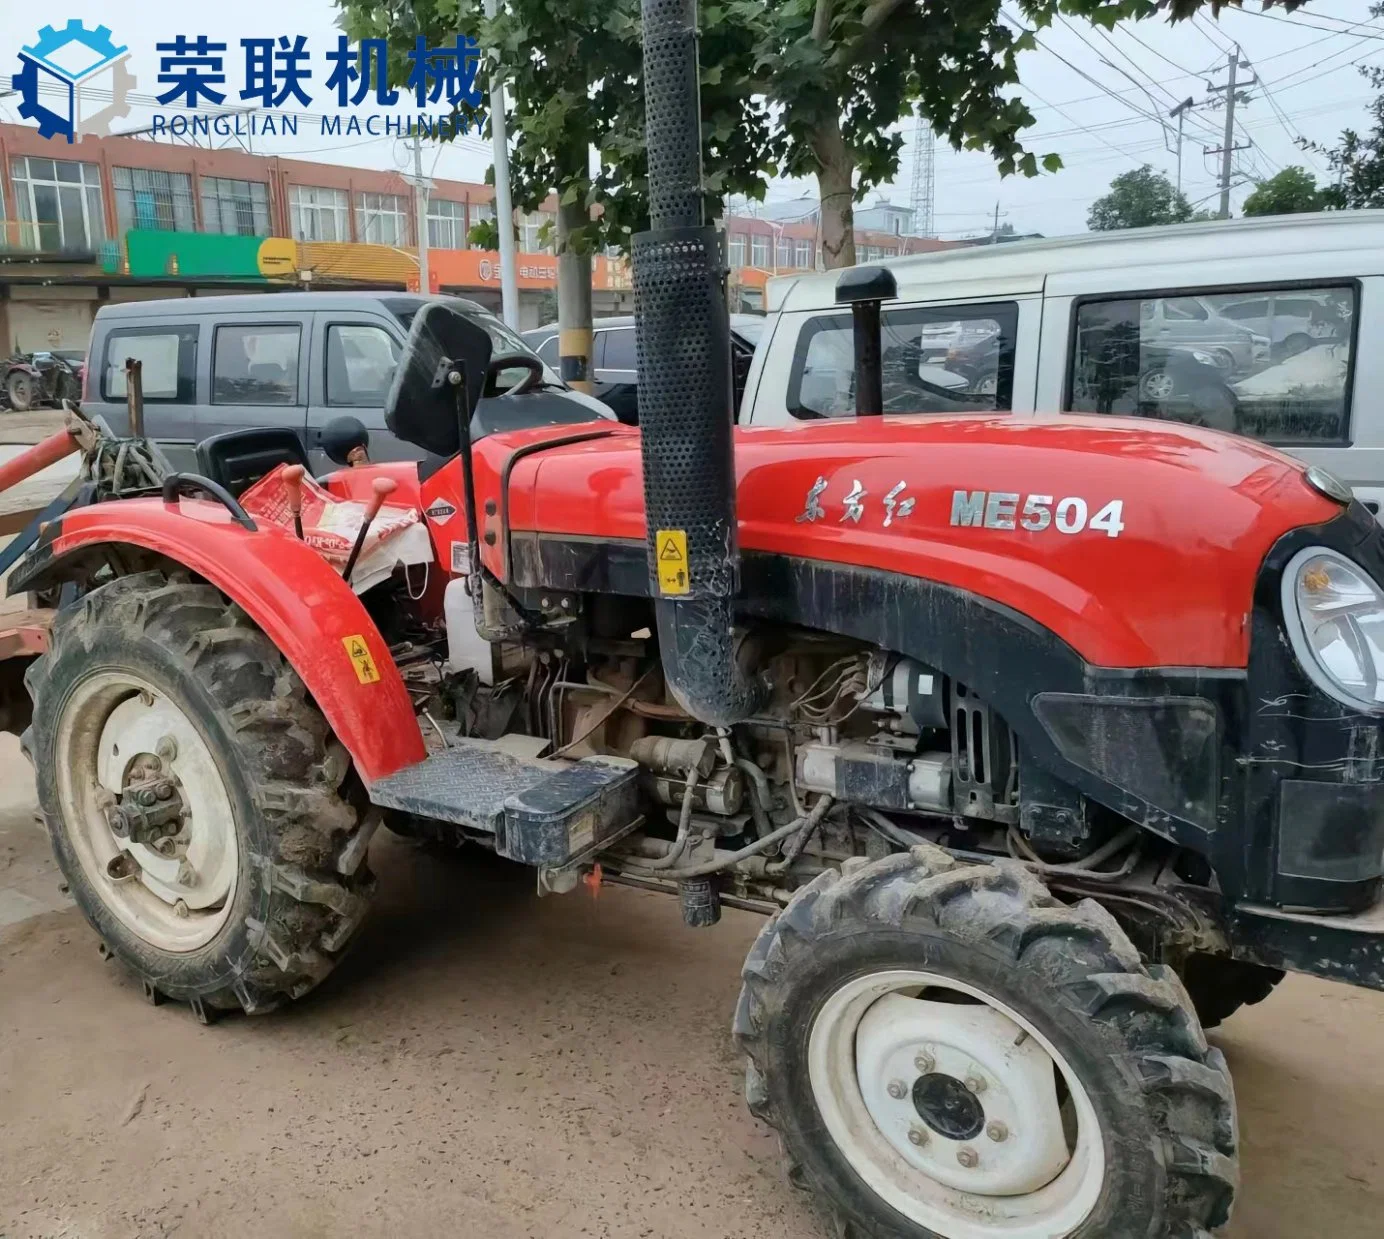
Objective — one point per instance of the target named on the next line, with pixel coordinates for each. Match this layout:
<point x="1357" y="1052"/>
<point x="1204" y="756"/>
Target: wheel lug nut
<point x="917" y="1136"/>
<point x="997" y="1132"/>
<point x="897" y="1089"/>
<point x="975" y="1084"/>
<point x="968" y="1157"/>
<point x="925" y="1063"/>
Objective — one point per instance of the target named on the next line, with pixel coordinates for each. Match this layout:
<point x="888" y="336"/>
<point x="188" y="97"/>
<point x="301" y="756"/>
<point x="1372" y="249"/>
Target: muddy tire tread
<point x="1079" y="949"/>
<point x="296" y="773"/>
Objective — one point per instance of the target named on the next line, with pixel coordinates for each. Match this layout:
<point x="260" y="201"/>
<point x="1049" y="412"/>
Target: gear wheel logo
<point x="62" y="65"/>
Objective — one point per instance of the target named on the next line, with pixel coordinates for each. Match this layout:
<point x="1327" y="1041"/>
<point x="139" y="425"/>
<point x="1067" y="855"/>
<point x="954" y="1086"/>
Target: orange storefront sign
<point x="481" y="269"/>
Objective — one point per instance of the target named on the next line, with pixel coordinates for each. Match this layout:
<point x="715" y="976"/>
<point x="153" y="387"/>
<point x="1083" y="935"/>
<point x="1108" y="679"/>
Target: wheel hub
<point x="948" y="1107"/>
<point x="165" y="805"/>
<point x="984" y="1117"/>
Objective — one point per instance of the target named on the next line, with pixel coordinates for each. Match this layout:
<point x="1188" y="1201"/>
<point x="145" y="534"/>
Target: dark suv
<point x="613" y="362"/>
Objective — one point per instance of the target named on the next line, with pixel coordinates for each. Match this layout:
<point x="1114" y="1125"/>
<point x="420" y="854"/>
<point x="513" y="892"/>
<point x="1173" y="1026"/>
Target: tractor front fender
<point x="295" y="597"/>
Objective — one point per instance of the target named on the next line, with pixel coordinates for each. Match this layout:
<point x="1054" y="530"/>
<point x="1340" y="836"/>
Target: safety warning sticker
<point x="361" y="659"/>
<point x="672" y="562"/>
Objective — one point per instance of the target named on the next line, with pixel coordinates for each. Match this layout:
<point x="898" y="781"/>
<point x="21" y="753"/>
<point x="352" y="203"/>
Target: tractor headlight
<point x="1334" y="614"/>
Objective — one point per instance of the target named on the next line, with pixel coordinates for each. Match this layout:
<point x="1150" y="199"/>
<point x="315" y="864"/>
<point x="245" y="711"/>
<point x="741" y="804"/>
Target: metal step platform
<point x="541" y="812"/>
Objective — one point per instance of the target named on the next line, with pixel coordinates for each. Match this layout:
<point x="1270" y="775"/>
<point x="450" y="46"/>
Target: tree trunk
<point x="836" y="193"/>
<point x="573" y="300"/>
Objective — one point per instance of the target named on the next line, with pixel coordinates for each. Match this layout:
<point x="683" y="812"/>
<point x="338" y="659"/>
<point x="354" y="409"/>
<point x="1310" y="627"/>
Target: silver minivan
<point x="299" y="360"/>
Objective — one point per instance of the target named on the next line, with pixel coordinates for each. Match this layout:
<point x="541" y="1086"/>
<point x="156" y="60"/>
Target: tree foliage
<point x="1288" y="192"/>
<point x="1138" y="199"/>
<point x="1359" y="160"/>
<point x="788" y="87"/>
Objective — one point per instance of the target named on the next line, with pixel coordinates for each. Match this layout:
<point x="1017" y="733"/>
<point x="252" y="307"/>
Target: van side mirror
<point x="864" y="289"/>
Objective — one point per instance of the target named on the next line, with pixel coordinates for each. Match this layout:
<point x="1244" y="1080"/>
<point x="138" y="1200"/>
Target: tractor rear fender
<point x="296" y="598"/>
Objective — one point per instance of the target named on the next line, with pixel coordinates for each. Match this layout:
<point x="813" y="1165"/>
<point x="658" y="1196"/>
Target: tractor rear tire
<point x="275" y="885"/>
<point x="1220" y="987"/>
<point x="1148" y="1127"/>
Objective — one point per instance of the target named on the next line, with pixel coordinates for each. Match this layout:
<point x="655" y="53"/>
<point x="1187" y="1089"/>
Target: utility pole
<point x="1180" y="113"/>
<point x="995" y="231"/>
<point x="420" y="203"/>
<point x="1228" y="148"/>
<point x="504" y="205"/>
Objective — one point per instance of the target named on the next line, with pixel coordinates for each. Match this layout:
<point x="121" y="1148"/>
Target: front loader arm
<point x="295" y="597"/>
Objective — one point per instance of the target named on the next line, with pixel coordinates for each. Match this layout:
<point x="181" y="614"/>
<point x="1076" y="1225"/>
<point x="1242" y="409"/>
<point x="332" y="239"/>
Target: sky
<point x="1100" y="102"/>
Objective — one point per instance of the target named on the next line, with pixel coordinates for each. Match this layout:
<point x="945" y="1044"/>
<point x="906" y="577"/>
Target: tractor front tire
<point x="156" y="693"/>
<point x="949" y="1052"/>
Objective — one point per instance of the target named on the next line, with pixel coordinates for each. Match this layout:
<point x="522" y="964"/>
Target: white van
<point x="1259" y="326"/>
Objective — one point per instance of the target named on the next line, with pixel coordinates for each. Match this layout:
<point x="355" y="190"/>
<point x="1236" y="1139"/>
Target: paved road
<point x="488" y="1063"/>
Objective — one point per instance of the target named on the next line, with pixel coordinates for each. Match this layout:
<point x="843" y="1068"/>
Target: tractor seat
<point x="239" y="458"/>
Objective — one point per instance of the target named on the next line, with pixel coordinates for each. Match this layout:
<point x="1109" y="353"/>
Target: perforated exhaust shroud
<point x="685" y="390"/>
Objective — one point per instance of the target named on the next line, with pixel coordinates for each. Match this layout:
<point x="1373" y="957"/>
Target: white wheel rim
<point x="1158" y="386"/>
<point x="1023" y="1175"/>
<point x="111" y="729"/>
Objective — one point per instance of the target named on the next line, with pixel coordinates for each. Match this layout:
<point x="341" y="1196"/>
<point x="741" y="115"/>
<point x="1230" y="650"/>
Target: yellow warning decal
<point x="672" y="561"/>
<point x="361" y="659"/>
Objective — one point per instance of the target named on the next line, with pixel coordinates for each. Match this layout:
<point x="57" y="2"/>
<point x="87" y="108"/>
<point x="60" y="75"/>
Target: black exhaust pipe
<point x="685" y="391"/>
<point x="865" y="289"/>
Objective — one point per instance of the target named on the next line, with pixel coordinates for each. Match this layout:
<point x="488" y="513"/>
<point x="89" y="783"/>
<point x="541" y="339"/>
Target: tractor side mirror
<point x="865" y="289"/>
<point x="346" y="441"/>
<point x="423" y="407"/>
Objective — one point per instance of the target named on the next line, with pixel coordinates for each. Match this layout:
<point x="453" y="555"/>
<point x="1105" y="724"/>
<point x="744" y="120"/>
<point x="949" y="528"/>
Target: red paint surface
<point x="43" y="453"/>
<point x="293" y="594"/>
<point x="1175" y="588"/>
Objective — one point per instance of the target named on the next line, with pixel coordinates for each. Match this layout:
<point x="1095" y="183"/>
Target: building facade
<point x="118" y="219"/>
<point x="787" y="238"/>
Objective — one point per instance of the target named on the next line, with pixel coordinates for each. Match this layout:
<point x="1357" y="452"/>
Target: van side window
<point x="620" y="350"/>
<point x="360" y="365"/>
<point x="168" y="357"/>
<point x="1274" y="366"/>
<point x="255" y="364"/>
<point x="948" y="359"/>
<point x="548" y="352"/>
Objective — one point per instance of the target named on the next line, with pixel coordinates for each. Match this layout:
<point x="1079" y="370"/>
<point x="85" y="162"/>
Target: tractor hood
<point x="1136" y="542"/>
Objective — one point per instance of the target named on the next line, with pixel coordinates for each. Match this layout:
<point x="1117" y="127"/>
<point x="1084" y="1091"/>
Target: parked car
<point x="1293" y="321"/>
<point x="1188" y="322"/>
<point x="215" y="364"/>
<point x="614" y="367"/>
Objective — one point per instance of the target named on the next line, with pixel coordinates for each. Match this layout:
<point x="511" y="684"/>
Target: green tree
<point x="1359" y="159"/>
<point x="1289" y="192"/>
<point x="798" y="87"/>
<point x="1138" y="199"/>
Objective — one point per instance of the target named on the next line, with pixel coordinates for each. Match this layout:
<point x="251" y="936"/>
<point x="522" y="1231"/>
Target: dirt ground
<point x="494" y="1065"/>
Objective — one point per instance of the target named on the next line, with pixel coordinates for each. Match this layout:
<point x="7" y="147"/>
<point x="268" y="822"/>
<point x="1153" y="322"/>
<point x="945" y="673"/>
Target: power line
<point x="1301" y="22"/>
<point x="1295" y="135"/>
<point x="1209" y="33"/>
<point x="1182" y="70"/>
<point x="1115" y="47"/>
<point x="1285" y="83"/>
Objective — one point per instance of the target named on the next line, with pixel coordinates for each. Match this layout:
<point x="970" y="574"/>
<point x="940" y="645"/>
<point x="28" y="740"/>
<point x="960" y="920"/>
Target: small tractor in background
<point x="1043" y="745"/>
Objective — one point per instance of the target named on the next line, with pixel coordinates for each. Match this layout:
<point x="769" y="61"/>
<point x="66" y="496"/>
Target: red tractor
<point x="1042" y="744"/>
